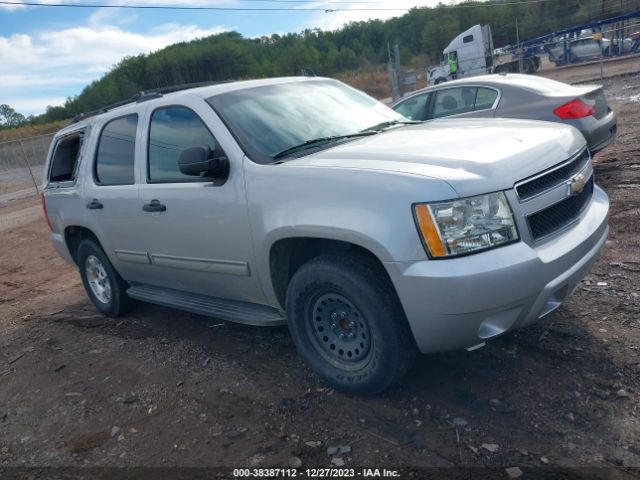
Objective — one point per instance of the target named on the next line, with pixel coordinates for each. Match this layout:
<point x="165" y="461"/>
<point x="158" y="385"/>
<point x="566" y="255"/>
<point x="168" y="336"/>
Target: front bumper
<point x="461" y="302"/>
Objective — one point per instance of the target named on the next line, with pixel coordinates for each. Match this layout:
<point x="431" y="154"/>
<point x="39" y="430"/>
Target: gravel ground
<point x="162" y="388"/>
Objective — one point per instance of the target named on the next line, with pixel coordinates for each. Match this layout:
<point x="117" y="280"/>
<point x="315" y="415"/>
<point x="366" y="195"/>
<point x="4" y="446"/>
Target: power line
<point x="322" y="9"/>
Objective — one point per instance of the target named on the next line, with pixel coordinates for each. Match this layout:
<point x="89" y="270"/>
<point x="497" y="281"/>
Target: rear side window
<point x="485" y="98"/>
<point x="65" y="158"/>
<point x="174" y="129"/>
<point x="468" y="39"/>
<point x="116" y="152"/>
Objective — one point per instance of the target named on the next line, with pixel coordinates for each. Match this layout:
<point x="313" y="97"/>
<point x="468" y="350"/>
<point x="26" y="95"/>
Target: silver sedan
<point x="517" y="96"/>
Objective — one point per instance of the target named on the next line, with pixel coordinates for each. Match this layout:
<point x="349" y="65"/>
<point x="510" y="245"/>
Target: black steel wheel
<point x="338" y="330"/>
<point x="347" y="323"/>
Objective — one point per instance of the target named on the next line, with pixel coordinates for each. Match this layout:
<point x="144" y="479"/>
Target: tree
<point x="422" y="34"/>
<point x="9" y="117"/>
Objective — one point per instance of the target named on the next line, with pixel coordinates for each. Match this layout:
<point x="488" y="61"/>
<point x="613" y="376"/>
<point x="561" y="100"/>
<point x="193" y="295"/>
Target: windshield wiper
<point x="314" y="142"/>
<point x="390" y="123"/>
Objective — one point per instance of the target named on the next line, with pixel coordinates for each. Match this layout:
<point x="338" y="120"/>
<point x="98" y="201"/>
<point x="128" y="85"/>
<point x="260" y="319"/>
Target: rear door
<point x="467" y="101"/>
<point x="111" y="193"/>
<point x="198" y="237"/>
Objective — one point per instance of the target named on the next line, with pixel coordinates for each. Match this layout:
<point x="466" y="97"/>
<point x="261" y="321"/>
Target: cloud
<point x="35" y="66"/>
<point x="26" y="106"/>
<point x="18" y="4"/>
<point x="361" y="12"/>
<point x="112" y="16"/>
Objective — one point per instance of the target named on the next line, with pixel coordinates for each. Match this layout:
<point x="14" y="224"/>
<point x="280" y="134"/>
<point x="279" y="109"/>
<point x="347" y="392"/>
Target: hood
<point x="474" y="156"/>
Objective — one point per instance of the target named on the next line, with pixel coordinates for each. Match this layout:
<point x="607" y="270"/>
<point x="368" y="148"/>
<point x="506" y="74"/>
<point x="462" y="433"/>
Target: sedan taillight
<point x="574" y="109"/>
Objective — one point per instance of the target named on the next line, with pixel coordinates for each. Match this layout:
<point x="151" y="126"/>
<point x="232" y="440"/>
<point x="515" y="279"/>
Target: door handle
<point x="95" y="204"/>
<point x="154" y="206"/>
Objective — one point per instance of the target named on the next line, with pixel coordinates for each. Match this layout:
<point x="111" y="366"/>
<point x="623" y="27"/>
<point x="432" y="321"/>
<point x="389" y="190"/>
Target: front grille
<point x="557" y="216"/>
<point x="529" y="189"/>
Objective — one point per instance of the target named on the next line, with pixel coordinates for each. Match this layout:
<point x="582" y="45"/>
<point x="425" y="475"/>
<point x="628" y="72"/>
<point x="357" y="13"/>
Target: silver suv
<point x="303" y="201"/>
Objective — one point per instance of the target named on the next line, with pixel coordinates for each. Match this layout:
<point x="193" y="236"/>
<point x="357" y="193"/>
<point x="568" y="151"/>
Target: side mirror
<point x="201" y="161"/>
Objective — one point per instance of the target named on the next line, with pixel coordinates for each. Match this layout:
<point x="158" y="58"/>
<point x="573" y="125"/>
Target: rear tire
<point x="348" y="325"/>
<point x="104" y="286"/>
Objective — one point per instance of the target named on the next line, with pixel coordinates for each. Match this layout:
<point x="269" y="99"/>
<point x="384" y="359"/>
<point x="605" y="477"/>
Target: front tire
<point x="104" y="286"/>
<point x="528" y="67"/>
<point x="348" y="324"/>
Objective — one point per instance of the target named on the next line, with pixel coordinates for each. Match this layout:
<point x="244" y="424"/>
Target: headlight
<point x="467" y="225"/>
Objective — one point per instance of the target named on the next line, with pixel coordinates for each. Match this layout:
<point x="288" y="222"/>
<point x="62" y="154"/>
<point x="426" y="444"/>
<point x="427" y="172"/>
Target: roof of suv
<point x="202" y="92"/>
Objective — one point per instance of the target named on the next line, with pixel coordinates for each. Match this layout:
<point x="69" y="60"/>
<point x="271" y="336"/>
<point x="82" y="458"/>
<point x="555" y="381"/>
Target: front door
<point x="197" y="230"/>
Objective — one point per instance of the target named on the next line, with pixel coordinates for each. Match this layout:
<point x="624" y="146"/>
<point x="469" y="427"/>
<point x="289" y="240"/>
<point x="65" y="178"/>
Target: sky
<point x="50" y="53"/>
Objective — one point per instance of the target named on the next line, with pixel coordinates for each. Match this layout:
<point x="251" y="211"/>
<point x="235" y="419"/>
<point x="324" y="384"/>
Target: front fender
<point x="368" y="208"/>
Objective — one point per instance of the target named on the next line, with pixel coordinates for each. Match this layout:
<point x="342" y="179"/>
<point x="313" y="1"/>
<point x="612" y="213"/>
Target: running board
<point x="229" y="310"/>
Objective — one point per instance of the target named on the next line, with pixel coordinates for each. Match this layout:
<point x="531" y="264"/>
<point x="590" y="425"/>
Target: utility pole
<point x="396" y="53"/>
<point x="601" y="53"/>
<point x="393" y="75"/>
<point x="519" y="47"/>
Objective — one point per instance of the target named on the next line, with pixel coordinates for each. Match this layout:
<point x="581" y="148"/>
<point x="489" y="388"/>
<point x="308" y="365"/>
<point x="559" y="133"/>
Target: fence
<point x="21" y="165"/>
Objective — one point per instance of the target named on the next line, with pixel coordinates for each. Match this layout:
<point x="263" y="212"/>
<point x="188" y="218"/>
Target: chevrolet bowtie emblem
<point x="577" y="183"/>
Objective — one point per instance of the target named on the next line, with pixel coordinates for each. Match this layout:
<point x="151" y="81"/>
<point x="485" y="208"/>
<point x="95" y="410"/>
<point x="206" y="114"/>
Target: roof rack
<point x="143" y="96"/>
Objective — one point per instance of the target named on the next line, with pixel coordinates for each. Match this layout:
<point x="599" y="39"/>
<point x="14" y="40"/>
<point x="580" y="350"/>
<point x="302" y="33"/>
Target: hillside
<point x="362" y="46"/>
<point x="26" y="131"/>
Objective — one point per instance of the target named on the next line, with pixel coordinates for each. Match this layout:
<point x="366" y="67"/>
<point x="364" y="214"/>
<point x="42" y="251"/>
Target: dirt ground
<point x="162" y="388"/>
<point x="590" y="71"/>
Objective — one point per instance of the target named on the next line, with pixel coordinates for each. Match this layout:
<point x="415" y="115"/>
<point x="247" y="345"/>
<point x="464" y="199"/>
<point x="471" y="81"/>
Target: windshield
<point x="271" y="119"/>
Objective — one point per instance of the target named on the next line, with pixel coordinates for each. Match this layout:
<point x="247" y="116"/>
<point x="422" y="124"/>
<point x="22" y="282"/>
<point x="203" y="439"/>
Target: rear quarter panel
<point x="64" y="200"/>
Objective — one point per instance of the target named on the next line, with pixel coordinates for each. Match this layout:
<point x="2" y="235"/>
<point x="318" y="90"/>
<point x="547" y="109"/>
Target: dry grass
<point x="31" y="130"/>
<point x="375" y="83"/>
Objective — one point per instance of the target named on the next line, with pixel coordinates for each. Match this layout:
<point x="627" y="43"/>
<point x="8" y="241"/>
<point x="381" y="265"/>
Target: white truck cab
<point x="473" y="51"/>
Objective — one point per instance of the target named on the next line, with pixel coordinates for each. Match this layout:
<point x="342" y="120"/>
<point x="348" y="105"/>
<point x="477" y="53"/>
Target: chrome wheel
<point x="338" y="330"/>
<point x="98" y="279"/>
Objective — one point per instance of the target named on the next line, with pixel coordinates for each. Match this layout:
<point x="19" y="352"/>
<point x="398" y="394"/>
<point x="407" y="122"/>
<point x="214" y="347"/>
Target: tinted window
<point x="454" y="101"/>
<point x="485" y="98"/>
<point x="414" y="107"/>
<point x="174" y="129"/>
<point x="467" y="39"/>
<point x="116" y="152"/>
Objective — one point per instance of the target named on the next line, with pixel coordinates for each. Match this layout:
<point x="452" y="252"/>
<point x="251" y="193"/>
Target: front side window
<point x="173" y="130"/>
<point x="115" y="159"/>
<point x="414" y="107"/>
